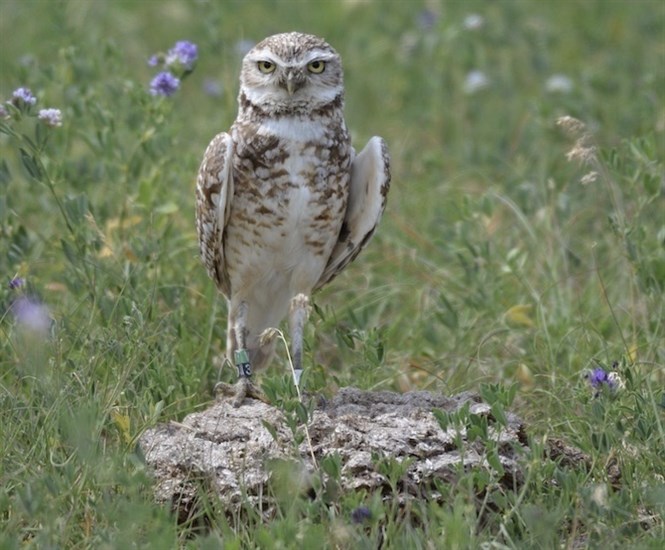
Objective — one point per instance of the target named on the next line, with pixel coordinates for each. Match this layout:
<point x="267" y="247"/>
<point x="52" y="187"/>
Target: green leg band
<point x="242" y="363"/>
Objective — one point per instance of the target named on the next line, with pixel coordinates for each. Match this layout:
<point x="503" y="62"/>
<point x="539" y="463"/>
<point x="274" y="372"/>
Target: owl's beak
<point x="293" y="81"/>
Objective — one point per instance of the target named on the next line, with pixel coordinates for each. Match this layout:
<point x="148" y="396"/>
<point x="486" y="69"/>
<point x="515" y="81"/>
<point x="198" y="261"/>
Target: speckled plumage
<point x="283" y="202"/>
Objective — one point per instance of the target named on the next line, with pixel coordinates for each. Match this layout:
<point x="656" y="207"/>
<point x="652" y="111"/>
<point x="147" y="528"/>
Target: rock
<point x="231" y="451"/>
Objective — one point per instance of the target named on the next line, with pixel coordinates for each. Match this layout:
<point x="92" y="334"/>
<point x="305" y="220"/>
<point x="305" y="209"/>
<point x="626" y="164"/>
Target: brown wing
<point x="214" y="192"/>
<point x="368" y="192"/>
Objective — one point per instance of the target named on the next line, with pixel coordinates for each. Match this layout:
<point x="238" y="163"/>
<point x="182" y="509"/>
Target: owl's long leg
<point x="298" y="314"/>
<point x="244" y="387"/>
<point x="240" y="355"/>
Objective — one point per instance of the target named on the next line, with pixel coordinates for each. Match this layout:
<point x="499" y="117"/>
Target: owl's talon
<point x="242" y="389"/>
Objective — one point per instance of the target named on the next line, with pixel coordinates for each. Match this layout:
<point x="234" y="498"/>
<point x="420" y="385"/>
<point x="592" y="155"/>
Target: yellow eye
<point x="316" y="67"/>
<point x="266" y="67"/>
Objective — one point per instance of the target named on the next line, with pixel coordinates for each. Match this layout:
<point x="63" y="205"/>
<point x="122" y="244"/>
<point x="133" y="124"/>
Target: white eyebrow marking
<point x="267" y="55"/>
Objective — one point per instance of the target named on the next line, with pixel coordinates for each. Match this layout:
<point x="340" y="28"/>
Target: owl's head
<point x="292" y="71"/>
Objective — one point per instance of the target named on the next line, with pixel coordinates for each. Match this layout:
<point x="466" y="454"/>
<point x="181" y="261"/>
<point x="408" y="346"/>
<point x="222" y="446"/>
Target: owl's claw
<point x="242" y="389"/>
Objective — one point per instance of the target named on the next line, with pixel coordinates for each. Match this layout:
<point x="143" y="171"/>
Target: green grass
<point x="493" y="263"/>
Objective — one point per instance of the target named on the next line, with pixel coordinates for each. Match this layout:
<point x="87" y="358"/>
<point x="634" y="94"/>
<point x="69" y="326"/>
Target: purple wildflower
<point x="599" y="378"/>
<point x="212" y="87"/>
<point x="51" y="117"/>
<point x="16" y="283"/>
<point x="23" y="95"/>
<point x="183" y="54"/>
<point x="4" y="113"/>
<point x="426" y="19"/>
<point x="32" y="315"/>
<point x="361" y="514"/>
<point x="153" y="61"/>
<point x="164" y="84"/>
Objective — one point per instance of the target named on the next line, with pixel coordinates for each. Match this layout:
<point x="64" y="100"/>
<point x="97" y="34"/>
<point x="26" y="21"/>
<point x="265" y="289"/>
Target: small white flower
<point x="50" y="117"/>
<point x="473" y="22"/>
<point x="559" y="83"/>
<point x="599" y="495"/>
<point x="475" y="81"/>
<point x="615" y="381"/>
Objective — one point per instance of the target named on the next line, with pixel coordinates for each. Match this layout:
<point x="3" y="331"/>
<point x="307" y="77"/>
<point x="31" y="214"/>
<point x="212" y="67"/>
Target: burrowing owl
<point x="283" y="203"/>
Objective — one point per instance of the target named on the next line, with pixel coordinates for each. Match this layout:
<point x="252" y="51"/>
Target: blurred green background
<point x="496" y="260"/>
